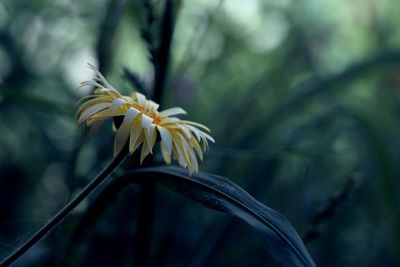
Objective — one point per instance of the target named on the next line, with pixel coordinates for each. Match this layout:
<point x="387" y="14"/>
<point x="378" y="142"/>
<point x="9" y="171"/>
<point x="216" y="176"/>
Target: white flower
<point x="141" y="124"/>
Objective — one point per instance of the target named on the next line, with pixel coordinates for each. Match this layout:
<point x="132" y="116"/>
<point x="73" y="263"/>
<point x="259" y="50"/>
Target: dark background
<point x="302" y="98"/>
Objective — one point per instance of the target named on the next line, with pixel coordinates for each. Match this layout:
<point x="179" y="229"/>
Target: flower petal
<point x="123" y="132"/>
<point x="182" y="144"/>
<point x="152" y="105"/>
<point x="172" y="111"/>
<point x="196" y="124"/>
<point x="167" y="157"/>
<point x="92" y="102"/>
<point x="195" y="144"/>
<point x="186" y="131"/>
<point x="166" y="139"/>
<point x="90" y="83"/>
<point x="107" y="113"/>
<point x="141" y="99"/>
<point x="181" y="158"/>
<point x="131" y="114"/>
<point x="96" y="126"/>
<point x="207" y="136"/>
<point x="146" y="149"/>
<point x="135" y="134"/>
<point x="120" y="138"/>
<point x="146" y="121"/>
<point x="195" y="165"/>
<point x="92" y="110"/>
<point x="151" y="136"/>
<point x="117" y="103"/>
<point x="100" y="76"/>
<point x="151" y="129"/>
<point x="111" y="92"/>
<point x="194" y="130"/>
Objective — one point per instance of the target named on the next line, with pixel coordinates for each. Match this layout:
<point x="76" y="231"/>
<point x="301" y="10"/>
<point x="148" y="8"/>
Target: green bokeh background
<point x="302" y="98"/>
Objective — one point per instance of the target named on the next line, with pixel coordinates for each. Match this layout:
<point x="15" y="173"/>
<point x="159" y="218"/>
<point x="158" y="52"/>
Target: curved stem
<point x="67" y="209"/>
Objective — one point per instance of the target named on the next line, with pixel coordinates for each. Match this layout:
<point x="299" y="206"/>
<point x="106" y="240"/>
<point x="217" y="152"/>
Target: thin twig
<point x="333" y="206"/>
<point x="67" y="209"/>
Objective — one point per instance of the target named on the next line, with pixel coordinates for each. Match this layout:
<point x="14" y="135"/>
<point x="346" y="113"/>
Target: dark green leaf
<point x="221" y="194"/>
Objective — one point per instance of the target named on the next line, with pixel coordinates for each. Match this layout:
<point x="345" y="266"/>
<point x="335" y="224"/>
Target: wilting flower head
<point x="141" y="123"/>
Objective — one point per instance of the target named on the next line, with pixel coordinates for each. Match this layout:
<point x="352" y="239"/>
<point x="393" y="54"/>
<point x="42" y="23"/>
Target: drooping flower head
<point x="141" y="123"/>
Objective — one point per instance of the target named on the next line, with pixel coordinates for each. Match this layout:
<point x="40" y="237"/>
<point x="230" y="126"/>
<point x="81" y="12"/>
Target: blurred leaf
<point x="293" y="103"/>
<point x="36" y="101"/>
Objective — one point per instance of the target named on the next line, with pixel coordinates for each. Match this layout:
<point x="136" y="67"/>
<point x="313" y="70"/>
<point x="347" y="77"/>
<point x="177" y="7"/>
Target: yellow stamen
<point x="149" y="112"/>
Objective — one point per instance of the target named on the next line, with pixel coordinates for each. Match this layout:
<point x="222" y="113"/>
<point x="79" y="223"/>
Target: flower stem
<point x="67" y="209"/>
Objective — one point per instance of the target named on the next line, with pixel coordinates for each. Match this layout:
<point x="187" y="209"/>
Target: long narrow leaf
<point x="221" y="194"/>
<point x="215" y="192"/>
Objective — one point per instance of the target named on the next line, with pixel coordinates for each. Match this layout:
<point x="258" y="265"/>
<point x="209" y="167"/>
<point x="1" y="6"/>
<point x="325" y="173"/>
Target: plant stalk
<point x="67" y="209"/>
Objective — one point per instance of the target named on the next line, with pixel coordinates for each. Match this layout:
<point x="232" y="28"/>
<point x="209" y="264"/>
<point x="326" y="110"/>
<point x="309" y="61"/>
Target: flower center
<point x="149" y="112"/>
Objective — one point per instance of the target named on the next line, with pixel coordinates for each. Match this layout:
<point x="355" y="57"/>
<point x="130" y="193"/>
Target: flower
<point x="142" y="123"/>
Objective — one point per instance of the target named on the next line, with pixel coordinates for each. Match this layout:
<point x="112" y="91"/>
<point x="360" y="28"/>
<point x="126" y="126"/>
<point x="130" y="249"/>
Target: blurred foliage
<point x="302" y="98"/>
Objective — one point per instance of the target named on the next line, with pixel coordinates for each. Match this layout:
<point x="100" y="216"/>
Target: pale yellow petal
<point x="166" y="139"/>
<point x="146" y="121"/>
<point x="207" y="136"/>
<point x="92" y="110"/>
<point x="123" y="132"/>
<point x="177" y="150"/>
<point x="138" y="142"/>
<point x="167" y="157"/>
<point x="90" y="83"/>
<point x="136" y="130"/>
<point x="195" y="144"/>
<point x="151" y="136"/>
<point x="172" y="111"/>
<point x="131" y="114"/>
<point x="182" y="145"/>
<point x="196" y="124"/>
<point x="195" y="131"/>
<point x="105" y="114"/>
<point x="120" y="138"/>
<point x="152" y="105"/>
<point x="117" y="103"/>
<point x="145" y="151"/>
<point x="96" y="126"/>
<point x="140" y="98"/>
<point x="185" y="131"/>
<point x="111" y="92"/>
<point x="100" y="76"/>
<point x="188" y="150"/>
<point x="92" y="102"/>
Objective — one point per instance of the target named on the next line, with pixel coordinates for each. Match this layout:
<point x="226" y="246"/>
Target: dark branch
<point x="163" y="52"/>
